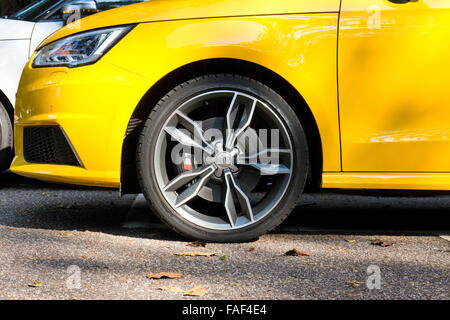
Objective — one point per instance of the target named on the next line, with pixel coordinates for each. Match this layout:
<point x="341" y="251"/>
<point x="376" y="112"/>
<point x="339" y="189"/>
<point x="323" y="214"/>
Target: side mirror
<point x="78" y="9"/>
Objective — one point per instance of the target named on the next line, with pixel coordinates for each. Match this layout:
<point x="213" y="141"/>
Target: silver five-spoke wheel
<point x="222" y="160"/>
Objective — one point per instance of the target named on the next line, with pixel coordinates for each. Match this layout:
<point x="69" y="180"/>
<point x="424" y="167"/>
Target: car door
<point x="394" y="87"/>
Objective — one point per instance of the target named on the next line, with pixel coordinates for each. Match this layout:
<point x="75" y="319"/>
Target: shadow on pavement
<point x="28" y="203"/>
<point x="371" y="212"/>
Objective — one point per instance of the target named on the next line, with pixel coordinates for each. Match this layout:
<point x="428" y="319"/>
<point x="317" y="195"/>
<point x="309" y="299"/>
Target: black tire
<point x="6" y="139"/>
<point x="155" y="123"/>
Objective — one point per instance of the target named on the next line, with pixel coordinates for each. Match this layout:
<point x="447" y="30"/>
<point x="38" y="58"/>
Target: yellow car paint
<point x="389" y="123"/>
<point x="386" y="180"/>
<point x="89" y="113"/>
<point x="169" y="10"/>
<point x="393" y="86"/>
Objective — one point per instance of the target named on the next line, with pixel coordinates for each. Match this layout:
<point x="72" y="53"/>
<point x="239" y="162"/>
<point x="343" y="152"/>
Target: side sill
<point x="386" y="180"/>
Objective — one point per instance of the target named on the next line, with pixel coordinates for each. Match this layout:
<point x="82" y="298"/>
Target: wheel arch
<point x="128" y="176"/>
<point x="7" y="104"/>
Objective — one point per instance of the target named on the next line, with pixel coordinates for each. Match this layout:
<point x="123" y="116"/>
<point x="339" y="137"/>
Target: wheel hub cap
<point x="223" y="159"/>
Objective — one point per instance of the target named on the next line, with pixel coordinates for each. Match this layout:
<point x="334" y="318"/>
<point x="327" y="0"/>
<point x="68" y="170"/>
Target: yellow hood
<point x="164" y="10"/>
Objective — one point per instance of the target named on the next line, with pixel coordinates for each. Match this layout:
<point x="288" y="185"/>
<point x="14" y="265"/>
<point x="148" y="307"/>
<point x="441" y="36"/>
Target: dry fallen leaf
<point x="197" y="244"/>
<point x="297" y="253"/>
<point x="164" y="275"/>
<point x="196" y="254"/>
<point x="196" y="291"/>
<point x="381" y="243"/>
<point x="35" y="284"/>
<point x="350" y="240"/>
<point x="66" y="233"/>
<point x="353" y="294"/>
<point x="251" y="249"/>
<point x="170" y="289"/>
<point x="353" y="283"/>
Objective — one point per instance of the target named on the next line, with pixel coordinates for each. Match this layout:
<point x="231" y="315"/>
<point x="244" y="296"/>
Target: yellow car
<point x="222" y="111"/>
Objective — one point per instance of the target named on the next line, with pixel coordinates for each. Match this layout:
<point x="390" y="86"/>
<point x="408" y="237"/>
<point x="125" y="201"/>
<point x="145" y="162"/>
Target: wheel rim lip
<point x="1" y="129"/>
<point x="198" y="218"/>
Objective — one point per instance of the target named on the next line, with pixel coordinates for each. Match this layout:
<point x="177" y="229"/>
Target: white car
<point x="20" y="34"/>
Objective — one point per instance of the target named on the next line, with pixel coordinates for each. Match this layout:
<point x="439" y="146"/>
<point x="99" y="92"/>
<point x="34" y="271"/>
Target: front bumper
<point x="92" y="105"/>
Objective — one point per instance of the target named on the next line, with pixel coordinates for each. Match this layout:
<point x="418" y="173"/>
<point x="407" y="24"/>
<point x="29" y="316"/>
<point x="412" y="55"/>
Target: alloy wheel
<point x="223" y="159"/>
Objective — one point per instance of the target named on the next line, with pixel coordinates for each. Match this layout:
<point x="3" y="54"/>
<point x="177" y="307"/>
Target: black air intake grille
<point x="48" y="145"/>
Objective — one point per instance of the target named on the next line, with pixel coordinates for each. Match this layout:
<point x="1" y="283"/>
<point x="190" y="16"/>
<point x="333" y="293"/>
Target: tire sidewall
<point x="165" y="109"/>
<point x="6" y="138"/>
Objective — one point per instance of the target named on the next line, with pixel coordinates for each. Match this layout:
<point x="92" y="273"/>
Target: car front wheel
<point x="6" y="139"/>
<point x="222" y="158"/>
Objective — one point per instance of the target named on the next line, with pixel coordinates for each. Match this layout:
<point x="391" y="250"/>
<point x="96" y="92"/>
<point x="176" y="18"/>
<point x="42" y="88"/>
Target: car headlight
<point x="80" y="49"/>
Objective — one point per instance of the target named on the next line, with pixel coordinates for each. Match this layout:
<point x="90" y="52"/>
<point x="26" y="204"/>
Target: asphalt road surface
<point x="64" y="242"/>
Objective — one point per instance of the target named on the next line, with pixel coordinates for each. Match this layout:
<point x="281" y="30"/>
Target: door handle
<point x="399" y="1"/>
